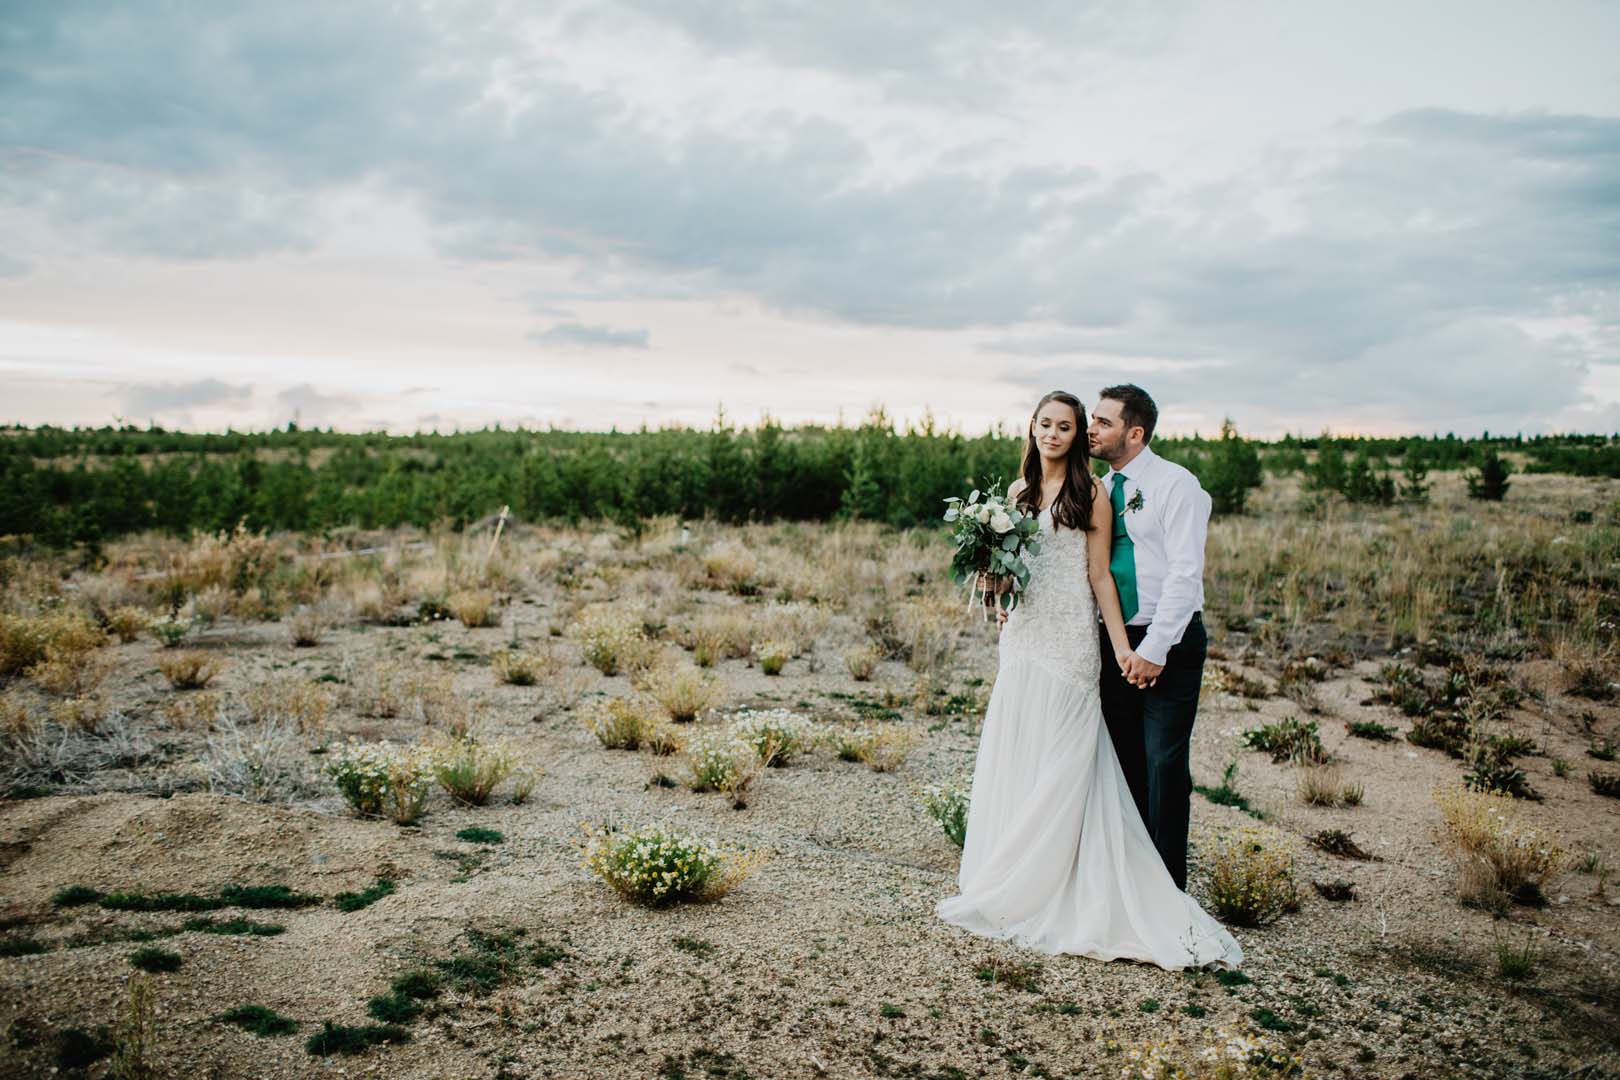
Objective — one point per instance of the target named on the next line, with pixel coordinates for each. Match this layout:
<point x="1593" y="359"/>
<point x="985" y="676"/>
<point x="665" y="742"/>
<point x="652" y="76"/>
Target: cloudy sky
<point x="1366" y="217"/>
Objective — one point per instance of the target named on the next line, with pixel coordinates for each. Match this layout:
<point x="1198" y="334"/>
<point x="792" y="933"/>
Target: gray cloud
<point x="313" y="407"/>
<point x="151" y="399"/>
<point x="1405" y="256"/>
<point x="579" y="335"/>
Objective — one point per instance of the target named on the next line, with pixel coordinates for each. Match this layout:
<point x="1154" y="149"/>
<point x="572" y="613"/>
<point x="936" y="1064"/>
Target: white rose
<point x="1000" y="522"/>
<point x="983" y="515"/>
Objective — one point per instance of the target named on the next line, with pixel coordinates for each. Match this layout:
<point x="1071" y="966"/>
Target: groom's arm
<point x="1186" y="523"/>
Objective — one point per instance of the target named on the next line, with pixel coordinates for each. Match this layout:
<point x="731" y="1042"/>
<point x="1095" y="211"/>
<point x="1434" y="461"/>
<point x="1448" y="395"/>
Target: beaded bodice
<point x="1055" y="622"/>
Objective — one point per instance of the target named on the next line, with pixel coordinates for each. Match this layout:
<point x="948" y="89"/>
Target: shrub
<point x="927" y="632"/>
<point x="1517" y="962"/>
<point x="523" y="667"/>
<point x="1590" y="680"/>
<point x="155" y="960"/>
<point x="861" y="662"/>
<point x="884" y="748"/>
<point x="732" y="566"/>
<point x="343" y="1039"/>
<point x="684" y="693"/>
<point x="127" y="622"/>
<point x="259" y="1020"/>
<point x="1494" y="770"/>
<point x="171" y="632"/>
<point x="657" y="866"/>
<point x="1224" y="680"/>
<point x="1485" y="833"/>
<point x="475" y="608"/>
<point x="1371" y="729"/>
<point x="469" y="770"/>
<point x="1339" y="842"/>
<point x="306" y="627"/>
<point x="257" y="763"/>
<point x="605" y="636"/>
<point x="723" y="761"/>
<point x="382" y="780"/>
<point x="26" y="640"/>
<point x="777" y="735"/>
<point x="1251" y="883"/>
<point x="622" y="723"/>
<point x="380" y="688"/>
<point x="354" y="901"/>
<point x="189" y="670"/>
<point x="773" y="655"/>
<point x="1288" y="740"/>
<point x="948" y="805"/>
<point x="303" y="704"/>
<point x="1605" y="783"/>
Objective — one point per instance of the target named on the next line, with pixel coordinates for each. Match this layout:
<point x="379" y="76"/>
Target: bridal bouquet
<point x="992" y="536"/>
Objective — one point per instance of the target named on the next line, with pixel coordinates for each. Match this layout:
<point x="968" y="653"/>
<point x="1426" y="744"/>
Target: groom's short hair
<point x="1135" y="406"/>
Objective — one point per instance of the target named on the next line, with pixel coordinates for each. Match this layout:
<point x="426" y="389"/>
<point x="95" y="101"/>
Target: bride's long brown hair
<point x="1072" y="507"/>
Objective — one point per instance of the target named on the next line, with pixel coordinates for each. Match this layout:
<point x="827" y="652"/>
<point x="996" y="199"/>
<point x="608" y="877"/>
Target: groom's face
<point x="1106" y="434"/>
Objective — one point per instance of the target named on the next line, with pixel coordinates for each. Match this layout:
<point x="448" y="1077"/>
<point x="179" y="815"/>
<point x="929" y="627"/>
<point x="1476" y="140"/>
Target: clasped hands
<point x="1138" y="672"/>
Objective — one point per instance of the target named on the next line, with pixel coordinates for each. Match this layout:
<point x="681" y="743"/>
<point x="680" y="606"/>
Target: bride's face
<point x="1055" y="428"/>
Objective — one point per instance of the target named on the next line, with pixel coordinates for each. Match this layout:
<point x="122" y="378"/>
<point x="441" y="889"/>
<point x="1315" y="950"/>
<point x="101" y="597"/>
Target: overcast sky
<point x="1366" y="217"/>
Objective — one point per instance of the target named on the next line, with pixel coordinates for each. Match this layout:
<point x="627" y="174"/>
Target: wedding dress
<point x="1056" y="856"/>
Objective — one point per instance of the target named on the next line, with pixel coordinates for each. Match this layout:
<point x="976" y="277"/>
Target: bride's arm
<point x="1099" y="549"/>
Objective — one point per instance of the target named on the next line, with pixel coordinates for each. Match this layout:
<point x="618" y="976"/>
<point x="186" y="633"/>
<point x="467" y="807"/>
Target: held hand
<point x="1001" y="618"/>
<point x="1123" y="658"/>
<point x="1142" y="673"/>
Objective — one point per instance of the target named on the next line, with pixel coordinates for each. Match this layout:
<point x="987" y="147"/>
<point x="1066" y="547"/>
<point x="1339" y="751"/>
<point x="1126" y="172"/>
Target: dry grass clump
<point x="623" y="723"/>
<point x="684" y="692"/>
<point x="525" y="667"/>
<point x="798" y="626"/>
<point x="469" y="769"/>
<point x="1494" y="850"/>
<point x="883" y="749"/>
<point x="1323" y="785"/>
<point x="433" y="701"/>
<point x="258" y="762"/>
<point x="730" y="565"/>
<point x="921" y="632"/>
<point x="239" y="566"/>
<point x="1215" y="1055"/>
<point x="67" y="672"/>
<point x="1251" y="882"/>
<point x="474" y="608"/>
<point x="84" y="714"/>
<point x="306" y="627"/>
<point x="192" y="711"/>
<point x="28" y="640"/>
<point x="861" y="662"/>
<point x="190" y="670"/>
<point x="127" y="622"/>
<point x="720" y="635"/>
<point x="378" y="688"/>
<point x="302" y="704"/>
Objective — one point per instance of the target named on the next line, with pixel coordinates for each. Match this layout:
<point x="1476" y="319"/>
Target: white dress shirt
<point x="1167" y="531"/>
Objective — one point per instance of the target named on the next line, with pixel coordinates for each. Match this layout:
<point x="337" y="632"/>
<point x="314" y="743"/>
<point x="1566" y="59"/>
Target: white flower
<point x="1000" y="522"/>
<point x="983" y="514"/>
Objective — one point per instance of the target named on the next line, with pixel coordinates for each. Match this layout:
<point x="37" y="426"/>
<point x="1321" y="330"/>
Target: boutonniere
<point x="1135" y="502"/>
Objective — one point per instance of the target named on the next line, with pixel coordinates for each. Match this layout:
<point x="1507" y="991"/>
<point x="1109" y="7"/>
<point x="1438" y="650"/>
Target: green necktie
<point x="1122" y="563"/>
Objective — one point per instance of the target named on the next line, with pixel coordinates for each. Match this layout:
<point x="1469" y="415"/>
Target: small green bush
<point x="155" y="960"/>
<point x="343" y="1039"/>
<point x="259" y="1020"/>
<point x="354" y="901"/>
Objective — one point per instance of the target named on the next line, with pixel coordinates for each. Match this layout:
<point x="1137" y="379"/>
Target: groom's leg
<point x="1168" y="711"/>
<point x="1122" y="712"/>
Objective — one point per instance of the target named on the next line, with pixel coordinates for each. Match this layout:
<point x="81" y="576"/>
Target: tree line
<point x="64" y="486"/>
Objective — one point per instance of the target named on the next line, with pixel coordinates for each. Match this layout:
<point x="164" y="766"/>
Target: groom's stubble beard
<point x="1104" y="450"/>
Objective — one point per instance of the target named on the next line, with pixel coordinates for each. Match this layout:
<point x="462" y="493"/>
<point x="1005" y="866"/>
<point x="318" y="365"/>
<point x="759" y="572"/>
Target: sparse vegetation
<point x="657" y="866"/>
<point x="1250" y="879"/>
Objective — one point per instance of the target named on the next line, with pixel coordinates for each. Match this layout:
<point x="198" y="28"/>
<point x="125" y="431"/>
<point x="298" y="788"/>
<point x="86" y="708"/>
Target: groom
<point x="1161" y="515"/>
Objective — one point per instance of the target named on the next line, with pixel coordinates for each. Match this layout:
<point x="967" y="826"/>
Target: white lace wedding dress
<point x="1056" y="856"/>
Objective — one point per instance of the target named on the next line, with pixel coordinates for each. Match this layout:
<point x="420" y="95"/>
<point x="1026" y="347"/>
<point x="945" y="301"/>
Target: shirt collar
<point x="1138" y="465"/>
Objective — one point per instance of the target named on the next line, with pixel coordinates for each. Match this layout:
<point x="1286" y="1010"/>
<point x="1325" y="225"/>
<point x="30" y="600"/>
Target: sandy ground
<point x="838" y="924"/>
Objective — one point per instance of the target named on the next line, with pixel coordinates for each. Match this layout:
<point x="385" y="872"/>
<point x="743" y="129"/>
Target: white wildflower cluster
<point x="1225" y="1055"/>
<point x="774" y="729"/>
<point x="605" y="636"/>
<point x="719" y="758"/>
<point x="381" y="778"/>
<point x="656" y="866"/>
<point x="947" y="803"/>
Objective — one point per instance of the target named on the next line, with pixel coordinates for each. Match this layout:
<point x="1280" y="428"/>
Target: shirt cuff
<point x="1154" y="652"/>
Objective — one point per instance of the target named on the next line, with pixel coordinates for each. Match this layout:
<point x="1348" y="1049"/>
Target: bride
<point x="1056" y="855"/>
